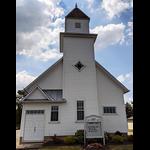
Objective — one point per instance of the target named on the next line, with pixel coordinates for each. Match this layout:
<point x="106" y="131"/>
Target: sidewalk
<point x="26" y="146"/>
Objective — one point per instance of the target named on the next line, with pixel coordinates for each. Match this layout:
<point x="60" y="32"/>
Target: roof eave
<point x="125" y="90"/>
<point x="35" y="81"/>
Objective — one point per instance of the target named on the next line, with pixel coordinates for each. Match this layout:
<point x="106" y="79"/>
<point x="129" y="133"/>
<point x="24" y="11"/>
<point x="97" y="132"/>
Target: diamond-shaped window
<point x="79" y="66"/>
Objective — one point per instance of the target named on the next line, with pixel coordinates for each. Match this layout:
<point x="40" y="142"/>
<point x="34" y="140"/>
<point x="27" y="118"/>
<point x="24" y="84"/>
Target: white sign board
<point x="93" y="127"/>
<point x="93" y="130"/>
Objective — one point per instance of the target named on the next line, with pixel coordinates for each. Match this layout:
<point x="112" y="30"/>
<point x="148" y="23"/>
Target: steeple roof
<point x="76" y="13"/>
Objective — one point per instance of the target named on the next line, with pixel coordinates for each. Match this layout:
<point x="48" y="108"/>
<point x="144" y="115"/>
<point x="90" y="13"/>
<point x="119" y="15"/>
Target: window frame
<point x="34" y="112"/>
<point x="78" y="25"/>
<point x="54" y="111"/>
<point x="108" y="111"/>
<point x="80" y="110"/>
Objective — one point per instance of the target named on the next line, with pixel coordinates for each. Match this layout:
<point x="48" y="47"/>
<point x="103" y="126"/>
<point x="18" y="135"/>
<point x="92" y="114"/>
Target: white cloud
<point x="126" y="78"/>
<point x="19" y="3"/>
<point x="90" y="4"/>
<point x="128" y="98"/>
<point x="109" y="35"/>
<point x="38" y="23"/>
<point x="129" y="32"/>
<point x="23" y="78"/>
<point x="114" y="8"/>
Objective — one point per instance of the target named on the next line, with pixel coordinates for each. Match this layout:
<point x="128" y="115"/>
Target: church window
<point x="54" y="113"/>
<point x="109" y="110"/>
<point x="77" y="25"/>
<point x="79" y="66"/>
<point x="80" y="110"/>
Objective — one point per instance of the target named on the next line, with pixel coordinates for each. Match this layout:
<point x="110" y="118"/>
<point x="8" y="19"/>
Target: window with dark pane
<point x="34" y="112"/>
<point x="54" y="113"/>
<point x="79" y="65"/>
<point x="80" y="110"/>
<point x="54" y="94"/>
<point x="109" y="110"/>
<point x="77" y="25"/>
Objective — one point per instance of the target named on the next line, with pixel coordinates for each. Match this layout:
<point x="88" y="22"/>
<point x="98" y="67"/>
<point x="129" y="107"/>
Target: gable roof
<point x="42" y="74"/>
<point x="77" y="13"/>
<point x="47" y="97"/>
<point x="36" y="87"/>
<point x="112" y="77"/>
<point x="125" y="90"/>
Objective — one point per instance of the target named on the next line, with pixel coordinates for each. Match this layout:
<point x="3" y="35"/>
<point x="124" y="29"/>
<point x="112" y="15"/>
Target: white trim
<point x="112" y="77"/>
<point x="109" y="114"/>
<point x="98" y="65"/>
<point x="42" y="74"/>
<point x="79" y="121"/>
<point x="54" y="122"/>
<point x="36" y="87"/>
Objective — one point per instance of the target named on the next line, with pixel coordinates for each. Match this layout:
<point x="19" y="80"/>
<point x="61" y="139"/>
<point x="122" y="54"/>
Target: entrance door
<point x="34" y="126"/>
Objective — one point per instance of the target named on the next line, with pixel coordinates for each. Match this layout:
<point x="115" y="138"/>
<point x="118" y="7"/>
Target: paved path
<point x="25" y="146"/>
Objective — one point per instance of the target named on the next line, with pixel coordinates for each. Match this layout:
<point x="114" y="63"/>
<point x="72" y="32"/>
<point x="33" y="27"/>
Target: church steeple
<point x="77" y="21"/>
<point x="76" y="6"/>
<point x="77" y="13"/>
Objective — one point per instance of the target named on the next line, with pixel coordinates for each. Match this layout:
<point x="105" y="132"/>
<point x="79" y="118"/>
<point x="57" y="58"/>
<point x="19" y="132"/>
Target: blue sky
<point x="38" y="23"/>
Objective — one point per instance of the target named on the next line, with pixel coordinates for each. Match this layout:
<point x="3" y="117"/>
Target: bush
<point x="56" y="140"/>
<point x="118" y="139"/>
<point x="70" y="139"/>
<point x="118" y="133"/>
<point x="79" y="136"/>
<point x="130" y="138"/>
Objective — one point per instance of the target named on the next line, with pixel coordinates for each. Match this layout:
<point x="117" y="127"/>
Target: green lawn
<point x="110" y="147"/>
<point x="61" y="148"/>
<point x="121" y="147"/>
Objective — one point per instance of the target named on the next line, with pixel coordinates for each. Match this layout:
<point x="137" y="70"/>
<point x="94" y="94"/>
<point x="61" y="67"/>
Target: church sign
<point x="93" y="127"/>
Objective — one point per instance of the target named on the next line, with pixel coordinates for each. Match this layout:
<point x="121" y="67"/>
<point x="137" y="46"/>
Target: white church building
<point x="76" y="86"/>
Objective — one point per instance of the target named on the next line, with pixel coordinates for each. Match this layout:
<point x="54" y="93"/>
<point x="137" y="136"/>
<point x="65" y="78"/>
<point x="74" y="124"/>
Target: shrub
<point x="118" y="133"/>
<point x="130" y="138"/>
<point x="79" y="136"/>
<point x="118" y="139"/>
<point x="70" y="139"/>
<point x="56" y="140"/>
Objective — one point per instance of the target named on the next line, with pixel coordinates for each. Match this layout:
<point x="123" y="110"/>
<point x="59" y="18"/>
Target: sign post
<point x="93" y="128"/>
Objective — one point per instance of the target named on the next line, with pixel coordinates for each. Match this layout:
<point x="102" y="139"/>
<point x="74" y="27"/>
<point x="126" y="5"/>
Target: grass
<point x="110" y="147"/>
<point x="121" y="147"/>
<point x="61" y="148"/>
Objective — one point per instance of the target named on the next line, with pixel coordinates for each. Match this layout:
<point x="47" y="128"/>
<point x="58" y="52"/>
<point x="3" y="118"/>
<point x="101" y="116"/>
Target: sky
<point x="39" y="22"/>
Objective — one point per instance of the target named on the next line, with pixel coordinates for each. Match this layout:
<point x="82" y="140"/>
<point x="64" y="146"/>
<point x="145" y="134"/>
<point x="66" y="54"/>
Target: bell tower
<point x="76" y="21"/>
<point x="79" y="71"/>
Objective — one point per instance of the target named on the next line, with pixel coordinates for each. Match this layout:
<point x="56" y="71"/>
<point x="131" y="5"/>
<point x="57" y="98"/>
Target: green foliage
<point x="70" y="139"/>
<point x="118" y="133"/>
<point x="56" y="140"/>
<point x="79" y="136"/>
<point x="130" y="138"/>
<point x="18" y="110"/>
<point x="22" y="92"/>
<point x="129" y="109"/>
<point x="117" y="139"/>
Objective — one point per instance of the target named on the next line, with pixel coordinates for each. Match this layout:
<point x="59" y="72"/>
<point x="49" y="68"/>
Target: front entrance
<point x="34" y="126"/>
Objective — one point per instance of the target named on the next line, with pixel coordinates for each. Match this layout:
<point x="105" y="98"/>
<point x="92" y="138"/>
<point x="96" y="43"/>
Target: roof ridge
<point x="77" y="13"/>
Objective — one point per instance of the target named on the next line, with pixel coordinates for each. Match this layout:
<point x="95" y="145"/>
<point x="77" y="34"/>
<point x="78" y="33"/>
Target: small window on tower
<point x="77" y="25"/>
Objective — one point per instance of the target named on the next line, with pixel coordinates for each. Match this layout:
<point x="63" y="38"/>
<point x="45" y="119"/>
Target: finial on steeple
<point x="76" y="6"/>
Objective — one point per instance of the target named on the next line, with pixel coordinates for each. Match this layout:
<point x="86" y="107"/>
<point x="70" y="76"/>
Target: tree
<point x="129" y="109"/>
<point x="18" y="108"/>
